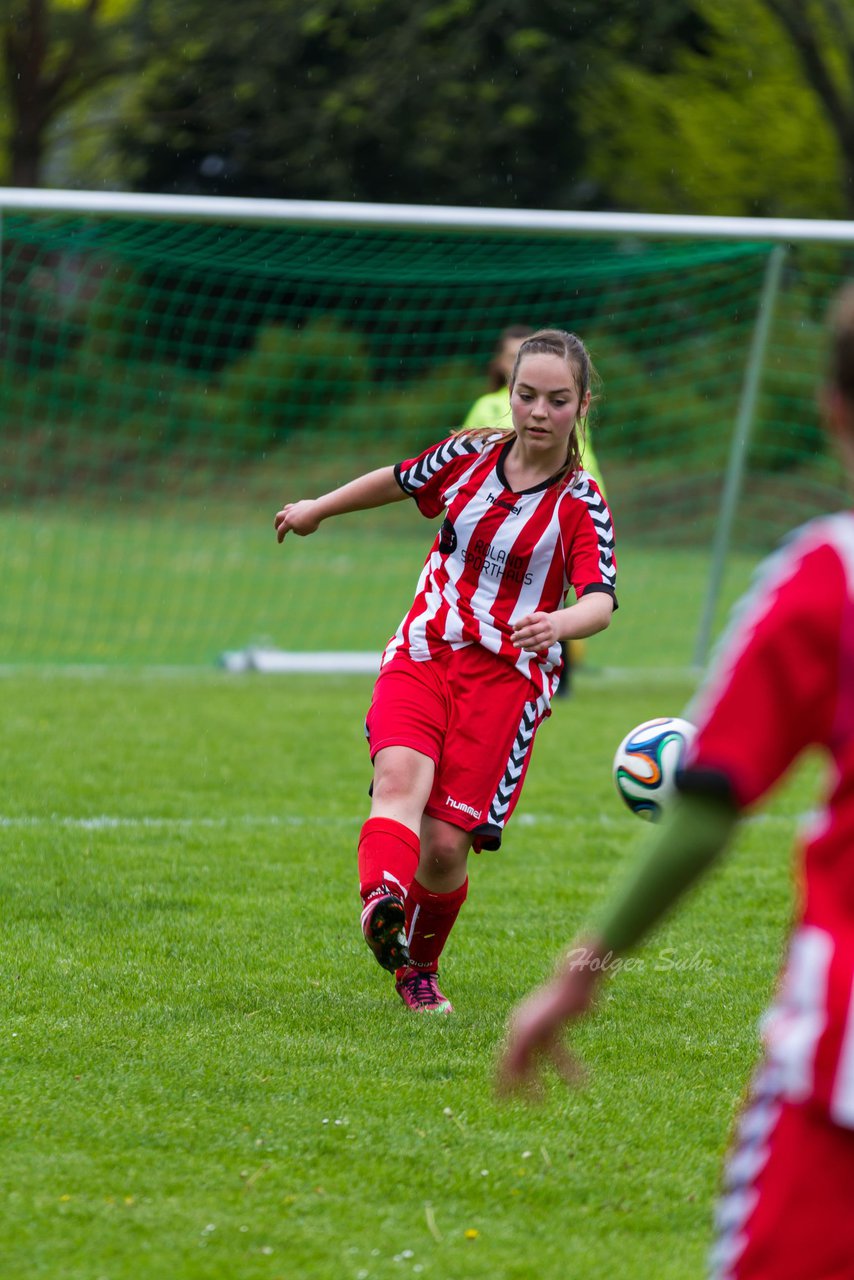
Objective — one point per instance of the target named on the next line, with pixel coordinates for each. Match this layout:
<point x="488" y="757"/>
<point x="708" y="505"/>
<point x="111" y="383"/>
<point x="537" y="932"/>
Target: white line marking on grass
<point x="107" y="822"/>
<point x="625" y="821"/>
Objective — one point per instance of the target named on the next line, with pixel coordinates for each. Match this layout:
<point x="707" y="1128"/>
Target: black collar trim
<point x="538" y="488"/>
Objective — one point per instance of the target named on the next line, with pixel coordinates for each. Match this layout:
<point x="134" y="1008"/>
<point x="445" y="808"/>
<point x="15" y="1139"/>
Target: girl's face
<point x="545" y="402"/>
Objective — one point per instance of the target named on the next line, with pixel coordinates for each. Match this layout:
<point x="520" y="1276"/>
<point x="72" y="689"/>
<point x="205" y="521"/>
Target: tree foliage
<point x="466" y="101"/>
<point x="54" y="53"/>
<point x="732" y="127"/>
<point x="821" y="33"/>
<point x="728" y="106"/>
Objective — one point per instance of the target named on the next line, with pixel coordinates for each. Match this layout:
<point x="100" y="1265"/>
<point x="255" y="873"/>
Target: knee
<point x="445" y="850"/>
<point x="391" y="785"/>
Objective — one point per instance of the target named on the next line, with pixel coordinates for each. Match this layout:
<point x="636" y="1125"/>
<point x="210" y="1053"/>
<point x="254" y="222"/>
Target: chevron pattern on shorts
<point x="425" y="468"/>
<point x="515" y="766"/>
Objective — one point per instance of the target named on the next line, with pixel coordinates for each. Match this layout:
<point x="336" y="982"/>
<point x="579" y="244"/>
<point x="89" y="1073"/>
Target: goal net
<point x="167" y="382"/>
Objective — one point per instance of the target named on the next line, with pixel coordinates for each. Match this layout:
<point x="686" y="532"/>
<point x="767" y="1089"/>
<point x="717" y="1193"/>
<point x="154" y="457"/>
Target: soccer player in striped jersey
<point x="783" y="681"/>
<point x="469" y="674"/>
<point x="493" y="410"/>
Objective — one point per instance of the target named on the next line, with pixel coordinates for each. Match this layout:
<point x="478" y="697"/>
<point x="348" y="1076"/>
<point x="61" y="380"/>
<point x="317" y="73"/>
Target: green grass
<point x="205" y="1076"/>
<point x="135" y="587"/>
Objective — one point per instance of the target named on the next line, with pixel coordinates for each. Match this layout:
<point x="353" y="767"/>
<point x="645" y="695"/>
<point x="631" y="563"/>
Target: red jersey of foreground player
<point x="467" y="678"/>
<point x="783" y="682"/>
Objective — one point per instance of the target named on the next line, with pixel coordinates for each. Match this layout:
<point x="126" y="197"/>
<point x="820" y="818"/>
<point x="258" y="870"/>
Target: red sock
<point x="429" y="919"/>
<point x="388" y="857"/>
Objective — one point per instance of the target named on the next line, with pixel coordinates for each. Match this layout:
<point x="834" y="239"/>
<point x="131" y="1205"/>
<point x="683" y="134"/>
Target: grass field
<point x="182" y="586"/>
<point x="205" y="1074"/>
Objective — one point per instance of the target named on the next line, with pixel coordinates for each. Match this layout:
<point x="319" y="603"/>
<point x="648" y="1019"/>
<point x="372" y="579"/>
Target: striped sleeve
<point x="591" y="564"/>
<point x="426" y="477"/>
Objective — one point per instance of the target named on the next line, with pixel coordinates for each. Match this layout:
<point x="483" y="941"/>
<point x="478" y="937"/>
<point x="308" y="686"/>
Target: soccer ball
<point x="646" y="763"/>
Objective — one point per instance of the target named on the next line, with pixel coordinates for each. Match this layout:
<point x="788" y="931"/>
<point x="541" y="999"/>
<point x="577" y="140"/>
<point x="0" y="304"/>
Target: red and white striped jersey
<point x="783" y="681"/>
<point x="500" y="555"/>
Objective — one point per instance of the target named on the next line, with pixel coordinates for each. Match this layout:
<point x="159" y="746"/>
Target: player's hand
<point x="300" y="518"/>
<point x="537" y="632"/>
<point x="535" y="1031"/>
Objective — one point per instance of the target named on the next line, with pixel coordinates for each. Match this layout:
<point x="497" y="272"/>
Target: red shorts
<point x="786" y="1208"/>
<point x="475" y="716"/>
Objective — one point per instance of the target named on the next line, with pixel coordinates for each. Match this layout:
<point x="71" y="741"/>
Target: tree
<point x="822" y="37"/>
<point x="734" y="125"/>
<point x="54" y="53"/>
<point x="461" y="101"/>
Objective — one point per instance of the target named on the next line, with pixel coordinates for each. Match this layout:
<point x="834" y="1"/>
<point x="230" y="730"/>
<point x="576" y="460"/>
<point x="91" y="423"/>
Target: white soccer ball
<point x="647" y="761"/>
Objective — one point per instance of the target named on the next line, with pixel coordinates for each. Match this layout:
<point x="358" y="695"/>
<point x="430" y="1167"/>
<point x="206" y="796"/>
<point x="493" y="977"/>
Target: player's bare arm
<point x="588" y="616"/>
<point x="374" y="489"/>
<point x="535" y="1031"/>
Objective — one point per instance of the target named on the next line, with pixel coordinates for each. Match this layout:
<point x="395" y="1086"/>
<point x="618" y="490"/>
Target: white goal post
<point x="777" y="233"/>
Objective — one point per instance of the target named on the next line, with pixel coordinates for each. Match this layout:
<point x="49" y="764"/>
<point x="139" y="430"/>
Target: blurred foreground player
<point x="783" y="681"/>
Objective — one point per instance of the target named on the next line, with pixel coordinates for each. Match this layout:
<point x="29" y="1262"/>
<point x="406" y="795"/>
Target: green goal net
<point x="166" y="383"/>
